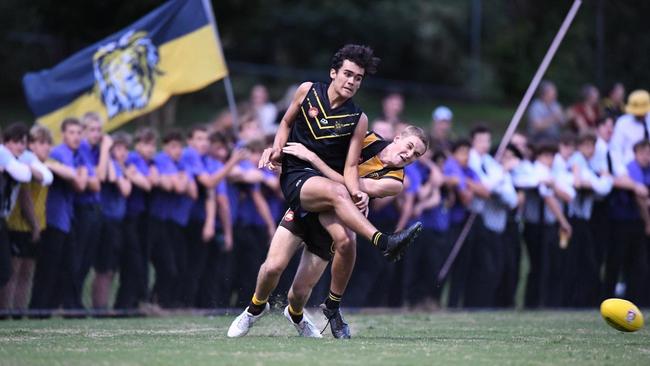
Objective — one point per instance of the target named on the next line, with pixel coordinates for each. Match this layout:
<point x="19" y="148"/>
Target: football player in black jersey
<point x="381" y="169"/>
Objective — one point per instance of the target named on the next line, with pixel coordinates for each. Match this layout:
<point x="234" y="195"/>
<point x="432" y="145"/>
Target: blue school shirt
<point x="623" y="205"/>
<point x="452" y="168"/>
<point x="59" y="210"/>
<point x="415" y="179"/>
<point x="436" y="218"/>
<point x="163" y="203"/>
<point x="137" y="200"/>
<point x="247" y="212"/>
<point x="90" y="156"/>
<point x="112" y="200"/>
<point x="211" y="166"/>
<point x="181" y="213"/>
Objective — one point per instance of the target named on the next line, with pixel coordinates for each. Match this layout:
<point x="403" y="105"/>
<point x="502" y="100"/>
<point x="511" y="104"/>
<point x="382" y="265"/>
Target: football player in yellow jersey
<point x="381" y="170"/>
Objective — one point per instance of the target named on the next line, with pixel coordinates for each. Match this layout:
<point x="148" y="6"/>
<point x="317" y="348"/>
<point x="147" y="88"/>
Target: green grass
<point x="477" y="338"/>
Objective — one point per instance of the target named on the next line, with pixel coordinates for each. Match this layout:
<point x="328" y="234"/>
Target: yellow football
<point x="621" y="315"/>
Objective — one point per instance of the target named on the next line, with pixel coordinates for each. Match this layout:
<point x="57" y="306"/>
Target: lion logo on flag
<point x="125" y="72"/>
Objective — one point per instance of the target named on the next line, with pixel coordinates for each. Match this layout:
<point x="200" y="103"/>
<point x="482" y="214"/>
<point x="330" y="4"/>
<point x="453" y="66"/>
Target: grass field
<point x="475" y="338"/>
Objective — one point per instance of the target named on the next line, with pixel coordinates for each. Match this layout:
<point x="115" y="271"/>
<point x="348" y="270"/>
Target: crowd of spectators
<point x="571" y="191"/>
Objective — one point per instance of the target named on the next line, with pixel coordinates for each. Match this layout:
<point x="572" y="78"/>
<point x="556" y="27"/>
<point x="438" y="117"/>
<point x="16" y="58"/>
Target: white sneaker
<point x="305" y="328"/>
<point x="243" y="323"/>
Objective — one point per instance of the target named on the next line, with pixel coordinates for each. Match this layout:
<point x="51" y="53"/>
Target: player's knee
<point x="272" y="268"/>
<point x="339" y="192"/>
<point x="344" y="244"/>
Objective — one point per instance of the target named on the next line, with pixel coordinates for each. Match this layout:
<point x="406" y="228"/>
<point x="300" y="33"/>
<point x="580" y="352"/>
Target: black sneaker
<point x="339" y="327"/>
<point x="399" y="241"/>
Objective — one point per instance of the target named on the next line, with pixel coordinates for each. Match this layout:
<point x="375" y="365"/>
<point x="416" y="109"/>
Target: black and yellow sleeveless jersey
<point x="370" y="166"/>
<point x="323" y="130"/>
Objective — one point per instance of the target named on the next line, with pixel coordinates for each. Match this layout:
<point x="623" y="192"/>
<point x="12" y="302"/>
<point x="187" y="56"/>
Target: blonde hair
<point x="417" y="132"/>
<point x="40" y="133"/>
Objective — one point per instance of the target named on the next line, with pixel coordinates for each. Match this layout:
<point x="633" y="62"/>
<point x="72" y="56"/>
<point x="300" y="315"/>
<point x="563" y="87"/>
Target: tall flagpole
<point x="512" y="127"/>
<point x="232" y="105"/>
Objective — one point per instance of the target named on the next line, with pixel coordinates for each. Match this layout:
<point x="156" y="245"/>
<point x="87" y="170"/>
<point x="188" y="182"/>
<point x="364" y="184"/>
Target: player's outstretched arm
<point x="271" y="157"/>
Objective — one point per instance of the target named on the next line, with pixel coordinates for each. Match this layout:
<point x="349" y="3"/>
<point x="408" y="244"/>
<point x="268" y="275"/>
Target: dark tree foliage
<point x="418" y="40"/>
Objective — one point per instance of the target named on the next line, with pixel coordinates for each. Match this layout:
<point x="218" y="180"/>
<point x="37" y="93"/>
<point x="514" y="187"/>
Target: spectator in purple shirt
<point x="54" y="276"/>
<point x="464" y="183"/>
<point x="629" y="216"/>
<point x="94" y="150"/>
<point x="166" y="231"/>
<point x="134" y="264"/>
<point x="115" y="189"/>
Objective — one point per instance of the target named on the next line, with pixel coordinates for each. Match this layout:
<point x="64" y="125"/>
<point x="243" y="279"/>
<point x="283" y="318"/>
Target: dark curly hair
<point x="361" y="55"/>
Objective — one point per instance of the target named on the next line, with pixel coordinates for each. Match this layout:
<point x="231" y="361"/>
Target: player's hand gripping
<point x="361" y="200"/>
<point x="300" y="151"/>
<point x="270" y="159"/>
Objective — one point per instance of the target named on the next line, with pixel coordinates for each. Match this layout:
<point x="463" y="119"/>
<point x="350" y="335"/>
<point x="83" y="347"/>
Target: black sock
<point x="256" y="306"/>
<point x="295" y="317"/>
<point x="380" y="240"/>
<point x="333" y="301"/>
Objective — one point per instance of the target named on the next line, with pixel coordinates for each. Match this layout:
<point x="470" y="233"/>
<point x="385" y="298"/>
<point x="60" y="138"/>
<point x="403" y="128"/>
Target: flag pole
<point x="232" y="105"/>
<point x="512" y="127"/>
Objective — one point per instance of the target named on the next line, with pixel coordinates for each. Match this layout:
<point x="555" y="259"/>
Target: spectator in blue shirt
<point x="94" y="150"/>
<point x="115" y="189"/>
<point x="166" y="210"/>
<point x="54" y="276"/>
<point x="134" y="266"/>
<point x="628" y="255"/>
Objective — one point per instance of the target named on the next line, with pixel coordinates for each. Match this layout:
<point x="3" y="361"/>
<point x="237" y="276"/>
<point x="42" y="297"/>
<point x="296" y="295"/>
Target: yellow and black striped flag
<point x="172" y="50"/>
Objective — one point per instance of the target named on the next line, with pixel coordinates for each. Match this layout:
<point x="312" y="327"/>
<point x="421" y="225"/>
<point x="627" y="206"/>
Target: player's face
<point x="200" y="142"/>
<point x="72" y="136"/>
<point x="174" y="149"/>
<point x="407" y="150"/>
<point x="93" y="132"/>
<point x="41" y="149"/>
<point x="347" y="80"/>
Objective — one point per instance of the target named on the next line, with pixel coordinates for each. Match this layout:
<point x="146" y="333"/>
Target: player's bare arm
<point x="351" y="170"/>
<point x="271" y="157"/>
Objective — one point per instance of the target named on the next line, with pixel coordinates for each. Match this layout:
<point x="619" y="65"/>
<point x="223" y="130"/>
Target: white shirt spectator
<point x="267" y="115"/>
<point x="627" y="132"/>
<point x="582" y="205"/>
<point x="17" y="170"/>
<point x="30" y="159"/>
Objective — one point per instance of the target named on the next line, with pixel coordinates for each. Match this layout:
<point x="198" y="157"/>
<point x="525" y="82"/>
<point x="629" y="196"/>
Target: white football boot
<point x="243" y="323"/>
<point x="305" y="328"/>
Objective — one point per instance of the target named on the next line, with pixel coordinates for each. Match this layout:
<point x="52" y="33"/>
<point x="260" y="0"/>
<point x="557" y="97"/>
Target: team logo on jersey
<point x="288" y="216"/>
<point x="125" y="72"/>
<point x="324" y="121"/>
<point x="313" y="112"/>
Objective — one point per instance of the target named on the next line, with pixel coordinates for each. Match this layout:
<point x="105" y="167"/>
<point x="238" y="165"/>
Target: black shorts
<point x="317" y="240"/>
<point x="291" y="183"/>
<point x="109" y="247"/>
<point x="22" y="245"/>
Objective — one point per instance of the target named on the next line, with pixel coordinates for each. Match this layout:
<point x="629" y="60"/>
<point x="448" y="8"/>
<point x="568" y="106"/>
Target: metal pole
<point x="512" y="127"/>
<point x="230" y="95"/>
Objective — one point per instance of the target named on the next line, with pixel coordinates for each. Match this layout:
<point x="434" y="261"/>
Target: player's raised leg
<point x="319" y="194"/>
<point x="345" y="250"/>
<point x="283" y="246"/>
<point x="309" y="271"/>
